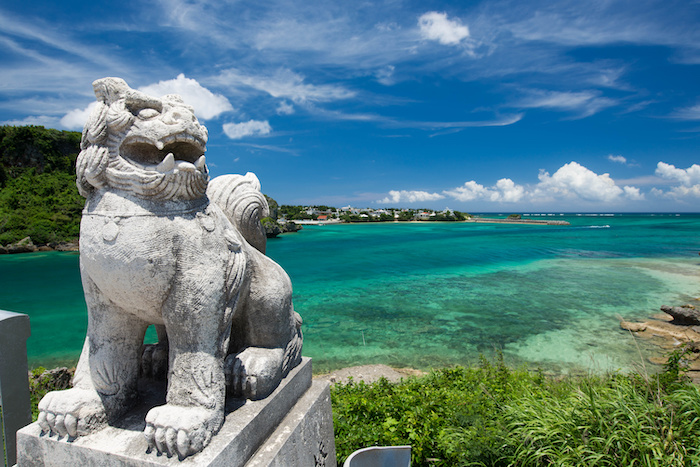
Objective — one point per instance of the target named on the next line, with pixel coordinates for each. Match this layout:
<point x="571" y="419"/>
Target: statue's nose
<point x="172" y="116"/>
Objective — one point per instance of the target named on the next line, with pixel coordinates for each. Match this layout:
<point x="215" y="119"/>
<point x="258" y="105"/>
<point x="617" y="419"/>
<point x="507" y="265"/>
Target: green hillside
<point x="38" y="195"/>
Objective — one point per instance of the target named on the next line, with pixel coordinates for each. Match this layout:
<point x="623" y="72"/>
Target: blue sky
<point x="506" y="106"/>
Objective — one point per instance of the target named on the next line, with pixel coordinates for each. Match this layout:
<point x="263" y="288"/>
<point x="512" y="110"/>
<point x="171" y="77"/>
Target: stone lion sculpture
<point x="161" y="244"/>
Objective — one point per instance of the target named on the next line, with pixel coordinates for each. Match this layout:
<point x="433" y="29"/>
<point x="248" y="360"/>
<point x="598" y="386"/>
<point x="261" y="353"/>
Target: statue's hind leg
<point x="266" y="337"/>
<point x="105" y="378"/>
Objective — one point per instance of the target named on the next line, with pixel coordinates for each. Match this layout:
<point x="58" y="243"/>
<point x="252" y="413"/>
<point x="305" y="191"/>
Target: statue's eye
<point x="148" y="113"/>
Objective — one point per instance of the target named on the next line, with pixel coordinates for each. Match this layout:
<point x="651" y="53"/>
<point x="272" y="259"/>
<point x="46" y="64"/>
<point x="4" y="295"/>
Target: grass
<point x="492" y="415"/>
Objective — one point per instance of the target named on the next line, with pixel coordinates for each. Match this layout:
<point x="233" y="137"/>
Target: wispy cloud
<point x="584" y="103"/>
<point x="617" y="158"/>
<point x="499" y="121"/>
<point x="268" y="147"/>
<point x="687" y="113"/>
<point x="284" y="84"/>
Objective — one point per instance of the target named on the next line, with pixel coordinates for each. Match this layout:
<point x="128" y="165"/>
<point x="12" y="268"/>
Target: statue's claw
<point x="181" y="431"/>
<point x="72" y="412"/>
<point x="253" y="373"/>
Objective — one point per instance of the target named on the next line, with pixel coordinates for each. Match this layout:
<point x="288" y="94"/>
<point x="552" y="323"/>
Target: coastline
<point x="27" y="246"/>
<point x="481" y="220"/>
<point x="516" y="221"/>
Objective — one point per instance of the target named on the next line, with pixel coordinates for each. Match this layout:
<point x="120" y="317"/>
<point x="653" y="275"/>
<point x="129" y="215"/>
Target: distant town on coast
<point x="287" y="218"/>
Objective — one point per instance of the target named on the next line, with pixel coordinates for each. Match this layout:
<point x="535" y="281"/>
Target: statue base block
<point x="293" y="426"/>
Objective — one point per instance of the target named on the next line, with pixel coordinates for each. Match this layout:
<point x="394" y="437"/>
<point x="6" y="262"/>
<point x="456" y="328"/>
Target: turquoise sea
<point x="434" y="294"/>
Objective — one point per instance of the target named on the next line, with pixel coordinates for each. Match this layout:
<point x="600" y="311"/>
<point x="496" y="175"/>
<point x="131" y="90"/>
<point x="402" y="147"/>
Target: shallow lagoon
<point x="435" y="294"/>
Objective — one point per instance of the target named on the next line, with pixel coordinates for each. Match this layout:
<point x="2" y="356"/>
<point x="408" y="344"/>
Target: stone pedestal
<point x="291" y="427"/>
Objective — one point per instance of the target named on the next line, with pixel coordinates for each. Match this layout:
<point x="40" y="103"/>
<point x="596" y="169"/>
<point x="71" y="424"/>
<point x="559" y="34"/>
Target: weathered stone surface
<point x="686" y="314"/>
<point x="293" y="424"/>
<point x="161" y="244"/>
<point x="305" y="436"/>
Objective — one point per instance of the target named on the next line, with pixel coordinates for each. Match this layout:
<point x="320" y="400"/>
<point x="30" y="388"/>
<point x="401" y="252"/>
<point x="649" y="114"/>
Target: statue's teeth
<point x="167" y="165"/>
<point x="201" y="163"/>
<point x="160" y="145"/>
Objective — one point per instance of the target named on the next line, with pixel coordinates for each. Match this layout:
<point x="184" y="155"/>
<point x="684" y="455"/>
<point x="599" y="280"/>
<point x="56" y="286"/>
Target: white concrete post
<point x="14" y="383"/>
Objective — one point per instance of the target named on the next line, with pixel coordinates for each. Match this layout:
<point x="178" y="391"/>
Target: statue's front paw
<point x="253" y="373"/>
<point x="72" y="412"/>
<point x="182" y="431"/>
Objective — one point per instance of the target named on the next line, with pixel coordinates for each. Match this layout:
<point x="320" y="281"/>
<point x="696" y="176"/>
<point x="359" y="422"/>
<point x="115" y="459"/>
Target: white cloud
<point x="404" y="196"/>
<point x="435" y="26"/>
<point x="507" y="191"/>
<point x="633" y="193"/>
<point x="572" y="184"/>
<point x="206" y="104"/>
<point x="76" y="118"/>
<point x="285" y="108"/>
<point x="617" y="158"/>
<point x="249" y="128"/>
<point x="468" y="192"/>
<point x="504" y="191"/>
<point x="573" y="181"/>
<point x="688" y="179"/>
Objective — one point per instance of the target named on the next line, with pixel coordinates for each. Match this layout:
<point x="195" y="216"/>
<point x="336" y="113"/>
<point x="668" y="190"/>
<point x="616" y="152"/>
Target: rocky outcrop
<point x="291" y="227"/>
<point x="677" y="326"/>
<point x="55" y="379"/>
<point x="683" y="315"/>
<point x="26" y="245"/>
<point x="23" y="246"/>
<point x="272" y="229"/>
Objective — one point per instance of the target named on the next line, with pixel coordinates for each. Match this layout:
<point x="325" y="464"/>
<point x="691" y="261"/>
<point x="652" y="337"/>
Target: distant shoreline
<point x="516" y="221"/>
<point x="481" y="220"/>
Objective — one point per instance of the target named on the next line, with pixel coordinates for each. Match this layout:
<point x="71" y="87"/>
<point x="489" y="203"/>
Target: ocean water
<point x="434" y="294"/>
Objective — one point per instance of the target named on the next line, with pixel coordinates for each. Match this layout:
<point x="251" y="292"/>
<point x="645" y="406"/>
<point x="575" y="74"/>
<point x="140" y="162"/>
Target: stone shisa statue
<point x="162" y="244"/>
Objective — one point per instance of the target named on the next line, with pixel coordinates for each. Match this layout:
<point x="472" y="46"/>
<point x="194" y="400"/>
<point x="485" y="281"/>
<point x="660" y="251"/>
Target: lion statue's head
<point x="150" y="147"/>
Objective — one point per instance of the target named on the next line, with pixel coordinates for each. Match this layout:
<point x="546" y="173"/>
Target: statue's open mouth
<point x="182" y="151"/>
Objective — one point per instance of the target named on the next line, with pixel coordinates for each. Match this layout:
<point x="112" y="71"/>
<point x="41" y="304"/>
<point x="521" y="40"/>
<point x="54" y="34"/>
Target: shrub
<point x="492" y="415"/>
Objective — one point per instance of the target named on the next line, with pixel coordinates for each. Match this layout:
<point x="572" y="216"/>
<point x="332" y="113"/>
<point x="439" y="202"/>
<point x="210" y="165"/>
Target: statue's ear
<point x="108" y="90"/>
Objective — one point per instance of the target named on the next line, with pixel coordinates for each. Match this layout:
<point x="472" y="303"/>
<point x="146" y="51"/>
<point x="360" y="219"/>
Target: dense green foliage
<point x="495" y="416"/>
<point x="38" y="196"/>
